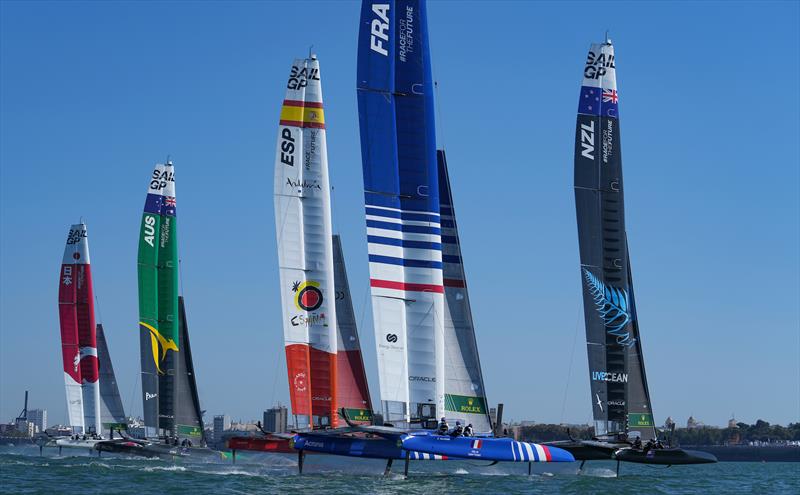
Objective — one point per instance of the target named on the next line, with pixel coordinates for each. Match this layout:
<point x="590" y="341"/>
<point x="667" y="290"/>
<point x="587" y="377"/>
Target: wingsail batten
<point x="465" y="396"/>
<point x="398" y="148"/>
<point x="305" y="253"/>
<point x="78" y="337"/>
<point x="620" y="399"/>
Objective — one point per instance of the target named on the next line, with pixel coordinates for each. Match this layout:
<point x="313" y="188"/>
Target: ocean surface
<point x="23" y="471"/>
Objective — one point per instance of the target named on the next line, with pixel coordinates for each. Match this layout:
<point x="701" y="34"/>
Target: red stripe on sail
<point x="547" y="453"/>
<point x="87" y="327"/>
<point x="299" y="368"/>
<point x="70" y="347"/>
<point x="389" y="284"/>
<point x="297" y="123"/>
<point x="352" y="390"/>
<point x="323" y="385"/>
<point x="454" y="282"/>
<point x="301" y="103"/>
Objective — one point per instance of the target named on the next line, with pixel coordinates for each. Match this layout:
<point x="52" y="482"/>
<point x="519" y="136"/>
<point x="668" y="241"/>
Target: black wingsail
<point x="620" y="398"/>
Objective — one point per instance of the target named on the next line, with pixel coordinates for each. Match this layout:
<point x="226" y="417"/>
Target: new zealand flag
<point x="598" y="101"/>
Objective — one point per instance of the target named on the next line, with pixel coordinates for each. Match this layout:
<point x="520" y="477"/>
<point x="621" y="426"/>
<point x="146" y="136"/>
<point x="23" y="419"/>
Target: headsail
<point x="188" y="415"/>
<point x="78" y="338"/>
<point x="158" y="300"/>
<point x="465" y="395"/>
<point x="352" y="389"/>
<point x="620" y="398"/>
<point x="401" y="192"/>
<point x="303" y="225"/>
<point x="112" y="413"/>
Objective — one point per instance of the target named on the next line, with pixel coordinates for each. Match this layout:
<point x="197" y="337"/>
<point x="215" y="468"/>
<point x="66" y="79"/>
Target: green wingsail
<point x="158" y="299"/>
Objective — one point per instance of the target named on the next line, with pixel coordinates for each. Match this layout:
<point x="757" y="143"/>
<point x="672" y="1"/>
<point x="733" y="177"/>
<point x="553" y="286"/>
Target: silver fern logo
<point x="612" y="305"/>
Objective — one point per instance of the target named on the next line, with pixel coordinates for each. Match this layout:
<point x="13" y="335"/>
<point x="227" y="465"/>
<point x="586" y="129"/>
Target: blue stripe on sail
<point x="448" y="258"/>
<point x="391" y="241"/>
<point x="535" y="452"/>
<point x="446" y="210"/>
<point x="389" y="260"/>
<point x="449" y="239"/>
<point x="421" y="217"/>
<point x="416" y="229"/>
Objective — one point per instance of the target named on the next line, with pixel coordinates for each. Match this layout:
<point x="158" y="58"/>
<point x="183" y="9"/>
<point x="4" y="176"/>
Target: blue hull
<point x="425" y="446"/>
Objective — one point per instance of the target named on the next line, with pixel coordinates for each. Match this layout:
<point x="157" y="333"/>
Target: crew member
<point x="468" y="431"/>
<point x="443" y="426"/>
<point x="637" y="444"/>
<point x="458" y="430"/>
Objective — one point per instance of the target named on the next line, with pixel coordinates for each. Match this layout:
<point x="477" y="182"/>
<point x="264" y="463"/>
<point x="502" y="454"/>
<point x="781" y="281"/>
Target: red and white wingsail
<point x="78" y="334"/>
<point x="305" y="255"/>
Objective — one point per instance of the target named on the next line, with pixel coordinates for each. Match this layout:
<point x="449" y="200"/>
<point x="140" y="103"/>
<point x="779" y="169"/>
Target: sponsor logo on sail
<point x="161" y="178"/>
<point x="422" y="378"/>
<point x="612" y="305"/>
<point x="148" y="396"/>
<point x="465" y="404"/>
<point x="587" y="140"/>
<point x="302" y="185"/>
<point x="303" y="320"/>
<point x="598" y="65"/>
<point x="605" y="376"/>
<point x="391" y="337"/>
<point x="299" y="382"/>
<point x="307" y="296"/>
<point x="599" y="402"/>
<point x="616" y="403"/>
<point x="640" y="419"/>
<point x="608" y="143"/>
<point x="299" y="77"/>
<point x="379" y="28"/>
<point x="75" y="236"/>
<point x="159" y="343"/>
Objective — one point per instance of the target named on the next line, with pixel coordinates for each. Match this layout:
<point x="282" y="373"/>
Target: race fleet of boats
<point x="429" y="368"/>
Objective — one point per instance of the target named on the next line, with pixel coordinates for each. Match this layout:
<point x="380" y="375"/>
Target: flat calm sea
<point x="23" y="471"/>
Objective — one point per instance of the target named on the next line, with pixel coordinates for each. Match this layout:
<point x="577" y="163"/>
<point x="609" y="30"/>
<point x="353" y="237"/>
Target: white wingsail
<point x="305" y="253"/>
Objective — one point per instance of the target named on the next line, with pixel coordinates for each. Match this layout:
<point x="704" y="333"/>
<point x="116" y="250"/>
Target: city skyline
<point x="93" y="95"/>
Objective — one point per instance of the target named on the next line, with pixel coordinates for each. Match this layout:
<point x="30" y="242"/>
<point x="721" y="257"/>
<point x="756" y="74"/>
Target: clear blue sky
<point x="93" y="94"/>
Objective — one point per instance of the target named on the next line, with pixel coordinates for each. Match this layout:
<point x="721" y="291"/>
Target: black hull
<point x="595" y="451"/>
<point x="145" y="448"/>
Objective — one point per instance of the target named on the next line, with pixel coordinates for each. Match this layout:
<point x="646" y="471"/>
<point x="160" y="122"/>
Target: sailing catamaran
<point x="93" y="400"/>
<point x="421" y="320"/>
<point x="620" y="396"/>
<point x="323" y="355"/>
<point x="171" y="405"/>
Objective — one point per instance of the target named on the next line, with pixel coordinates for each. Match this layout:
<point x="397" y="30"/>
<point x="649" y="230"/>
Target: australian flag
<point x="598" y="101"/>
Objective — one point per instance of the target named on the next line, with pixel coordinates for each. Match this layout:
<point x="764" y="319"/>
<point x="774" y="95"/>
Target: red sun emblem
<point x="308" y="297"/>
<point x="76" y="256"/>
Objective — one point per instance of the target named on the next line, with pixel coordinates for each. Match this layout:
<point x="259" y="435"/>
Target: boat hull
<point x="597" y="451"/>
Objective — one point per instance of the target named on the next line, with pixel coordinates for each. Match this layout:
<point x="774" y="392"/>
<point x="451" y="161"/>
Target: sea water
<point x="23" y="471"/>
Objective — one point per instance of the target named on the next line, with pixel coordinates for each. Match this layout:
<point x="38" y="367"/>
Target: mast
<point x="465" y="395"/>
<point x="78" y="338"/>
<point x="401" y="193"/>
<point x="620" y="398"/>
<point x="158" y="301"/>
<point x="352" y="388"/>
<point x="305" y="254"/>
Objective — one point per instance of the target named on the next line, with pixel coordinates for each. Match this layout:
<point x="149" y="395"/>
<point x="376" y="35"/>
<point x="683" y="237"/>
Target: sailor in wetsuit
<point x="458" y="430"/>
<point x="443" y="427"/>
<point x="637" y="444"/>
<point x="468" y="431"/>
